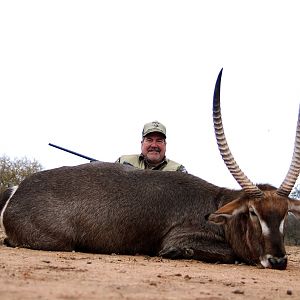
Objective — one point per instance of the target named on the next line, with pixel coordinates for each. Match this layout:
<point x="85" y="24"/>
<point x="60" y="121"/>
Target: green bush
<point x="12" y="172"/>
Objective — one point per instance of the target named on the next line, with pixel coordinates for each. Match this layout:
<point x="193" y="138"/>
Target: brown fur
<point x="111" y="208"/>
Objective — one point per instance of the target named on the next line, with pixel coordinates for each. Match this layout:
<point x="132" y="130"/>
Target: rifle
<point x="73" y="152"/>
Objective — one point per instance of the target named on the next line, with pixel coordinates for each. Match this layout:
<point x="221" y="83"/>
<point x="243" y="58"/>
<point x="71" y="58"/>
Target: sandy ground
<point x="31" y="274"/>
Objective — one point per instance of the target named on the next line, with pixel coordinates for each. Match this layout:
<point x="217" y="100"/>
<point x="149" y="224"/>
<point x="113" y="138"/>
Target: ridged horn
<point x="249" y="188"/>
<point x="294" y="170"/>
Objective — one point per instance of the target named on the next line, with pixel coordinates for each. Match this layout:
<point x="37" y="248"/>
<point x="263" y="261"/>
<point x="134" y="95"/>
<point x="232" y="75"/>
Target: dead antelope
<point x="111" y="208"/>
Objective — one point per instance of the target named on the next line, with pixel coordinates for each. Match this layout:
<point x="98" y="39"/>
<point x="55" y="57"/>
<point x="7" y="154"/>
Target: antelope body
<point x="111" y="208"/>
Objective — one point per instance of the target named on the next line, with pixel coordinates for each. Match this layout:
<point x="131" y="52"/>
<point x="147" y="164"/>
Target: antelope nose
<point x="278" y="263"/>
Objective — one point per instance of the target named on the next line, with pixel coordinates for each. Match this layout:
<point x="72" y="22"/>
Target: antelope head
<point x="254" y="222"/>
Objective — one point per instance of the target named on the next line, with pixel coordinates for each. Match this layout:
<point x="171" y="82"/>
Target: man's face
<point x="154" y="147"/>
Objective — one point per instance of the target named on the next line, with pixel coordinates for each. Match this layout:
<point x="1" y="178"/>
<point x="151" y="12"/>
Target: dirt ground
<point x="31" y="274"/>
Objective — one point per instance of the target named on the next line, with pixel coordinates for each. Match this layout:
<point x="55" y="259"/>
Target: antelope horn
<point x="293" y="172"/>
<point x="249" y="188"/>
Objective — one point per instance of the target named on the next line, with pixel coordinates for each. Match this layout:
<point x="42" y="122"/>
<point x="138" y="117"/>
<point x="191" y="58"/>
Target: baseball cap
<point x="154" y="126"/>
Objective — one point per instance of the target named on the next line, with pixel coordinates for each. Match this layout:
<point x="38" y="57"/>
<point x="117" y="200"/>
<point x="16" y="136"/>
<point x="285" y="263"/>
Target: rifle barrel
<point x="73" y="152"/>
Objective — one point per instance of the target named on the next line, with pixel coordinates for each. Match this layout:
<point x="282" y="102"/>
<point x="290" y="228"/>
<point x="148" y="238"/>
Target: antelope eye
<point x="252" y="212"/>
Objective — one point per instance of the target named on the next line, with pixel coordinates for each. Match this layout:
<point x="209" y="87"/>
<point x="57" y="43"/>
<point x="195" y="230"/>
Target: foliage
<point x="12" y="172"/>
<point x="292" y="226"/>
<point x="295" y="193"/>
<point x="292" y="230"/>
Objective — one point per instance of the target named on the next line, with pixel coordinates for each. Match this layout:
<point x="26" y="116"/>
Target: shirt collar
<point x="158" y="167"/>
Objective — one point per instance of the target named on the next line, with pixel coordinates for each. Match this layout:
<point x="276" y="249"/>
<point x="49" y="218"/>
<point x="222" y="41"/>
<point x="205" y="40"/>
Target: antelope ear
<point x="294" y="207"/>
<point x="226" y="212"/>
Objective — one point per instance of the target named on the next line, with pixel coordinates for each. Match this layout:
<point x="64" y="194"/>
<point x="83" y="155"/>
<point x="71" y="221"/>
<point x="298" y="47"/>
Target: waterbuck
<point x="110" y="208"/>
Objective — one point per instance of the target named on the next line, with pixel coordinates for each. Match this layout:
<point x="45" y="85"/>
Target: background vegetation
<point x="13" y="171"/>
<point x="292" y="226"/>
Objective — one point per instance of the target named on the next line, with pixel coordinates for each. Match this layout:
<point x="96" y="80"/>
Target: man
<point x="153" y="148"/>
